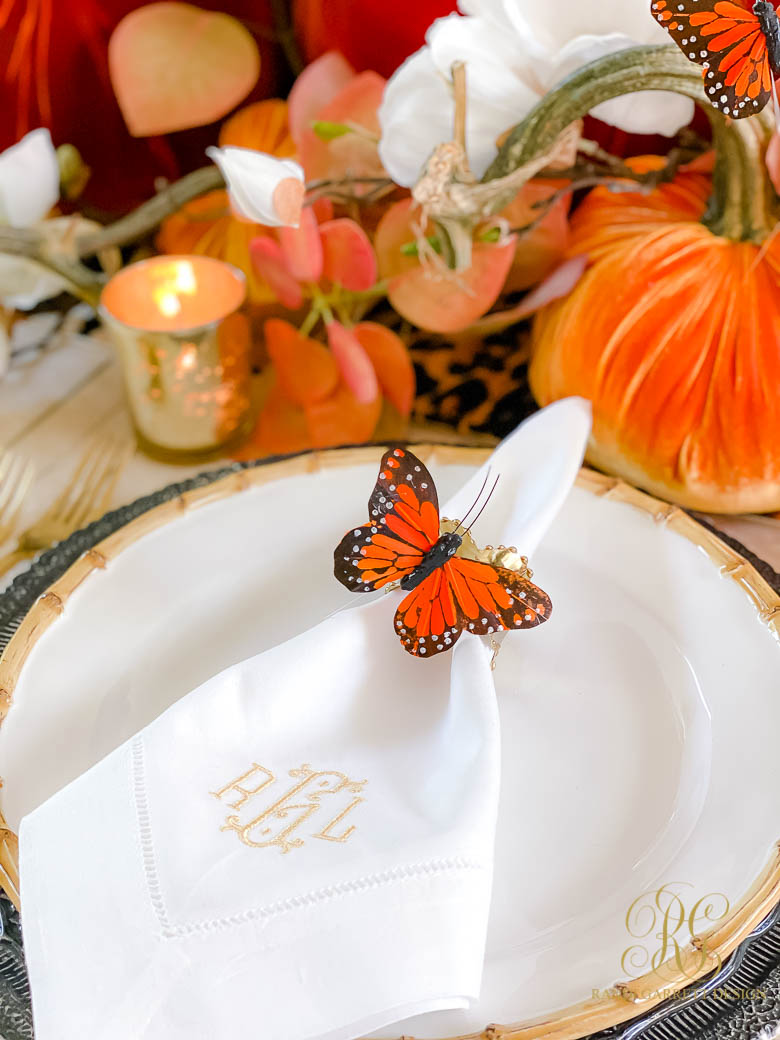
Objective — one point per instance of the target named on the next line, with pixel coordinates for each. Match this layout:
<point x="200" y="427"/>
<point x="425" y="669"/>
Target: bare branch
<point x="148" y="215"/>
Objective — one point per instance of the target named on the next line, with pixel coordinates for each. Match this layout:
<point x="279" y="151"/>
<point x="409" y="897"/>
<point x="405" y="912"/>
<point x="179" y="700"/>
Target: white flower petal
<point x="508" y="20"/>
<point x="555" y="23"/>
<point x="416" y="115"/>
<point x="262" y="189"/>
<point x="493" y="10"/>
<point x="646" y="112"/>
<point x="29" y="180"/>
<point x="492" y="73"/>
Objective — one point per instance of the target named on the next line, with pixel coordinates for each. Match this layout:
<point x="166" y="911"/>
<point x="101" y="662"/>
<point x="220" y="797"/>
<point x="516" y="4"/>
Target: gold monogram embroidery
<point x="277" y="822"/>
<point x="245" y="793"/>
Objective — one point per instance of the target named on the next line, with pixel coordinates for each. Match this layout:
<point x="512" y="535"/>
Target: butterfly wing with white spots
<point x="467" y="596"/>
<point x="733" y="41"/>
<point x="403" y="525"/>
<point x="405" y="487"/>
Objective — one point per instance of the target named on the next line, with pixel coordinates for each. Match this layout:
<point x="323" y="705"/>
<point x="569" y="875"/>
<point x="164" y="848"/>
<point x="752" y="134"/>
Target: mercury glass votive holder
<point x="184" y="349"/>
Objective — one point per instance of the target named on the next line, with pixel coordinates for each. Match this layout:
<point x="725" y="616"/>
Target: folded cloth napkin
<point x="303" y="846"/>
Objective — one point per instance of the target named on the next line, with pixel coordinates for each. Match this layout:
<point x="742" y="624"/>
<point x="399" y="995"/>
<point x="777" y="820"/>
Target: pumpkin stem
<point x="744" y="206"/>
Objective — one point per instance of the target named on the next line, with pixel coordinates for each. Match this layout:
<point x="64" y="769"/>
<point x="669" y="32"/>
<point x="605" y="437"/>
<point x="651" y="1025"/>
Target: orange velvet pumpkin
<point x="673" y="334"/>
<point x="206" y="225"/>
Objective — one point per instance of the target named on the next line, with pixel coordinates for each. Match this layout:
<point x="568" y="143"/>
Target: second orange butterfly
<point x="737" y="43"/>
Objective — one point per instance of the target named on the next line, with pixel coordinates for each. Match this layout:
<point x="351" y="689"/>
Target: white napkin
<point x="303" y="846"/>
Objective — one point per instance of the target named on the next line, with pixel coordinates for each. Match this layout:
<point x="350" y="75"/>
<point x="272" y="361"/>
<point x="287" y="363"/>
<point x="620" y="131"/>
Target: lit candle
<point x="184" y="347"/>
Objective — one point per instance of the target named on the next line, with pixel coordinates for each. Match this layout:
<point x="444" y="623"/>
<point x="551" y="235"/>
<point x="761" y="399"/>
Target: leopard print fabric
<point x="476" y="386"/>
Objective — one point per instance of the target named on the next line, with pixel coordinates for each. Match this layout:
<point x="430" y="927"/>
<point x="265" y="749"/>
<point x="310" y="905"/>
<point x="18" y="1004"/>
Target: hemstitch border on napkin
<point x="355" y="886"/>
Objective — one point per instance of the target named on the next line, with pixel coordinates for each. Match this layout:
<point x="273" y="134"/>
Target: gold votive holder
<point x="184" y="349"/>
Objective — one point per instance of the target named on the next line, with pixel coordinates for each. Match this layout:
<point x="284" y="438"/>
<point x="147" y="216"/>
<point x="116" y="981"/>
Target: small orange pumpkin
<point x="673" y="334"/>
<point x="206" y="225"/>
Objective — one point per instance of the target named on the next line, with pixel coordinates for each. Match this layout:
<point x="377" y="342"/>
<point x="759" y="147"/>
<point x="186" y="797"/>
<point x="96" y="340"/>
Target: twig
<point x="459" y="92"/>
<point x="326" y="184"/>
<point x="588" y="175"/>
<point x="330" y="189"/>
<point x="30" y="243"/>
<point x="23" y="242"/>
<point x="595" y="151"/>
<point x="148" y="215"/>
<point x="349" y="199"/>
<point x="545" y="205"/>
<point x="616" y="169"/>
<point x="19" y="241"/>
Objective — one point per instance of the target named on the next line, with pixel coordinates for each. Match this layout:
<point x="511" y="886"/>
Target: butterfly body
<point x="449" y="590"/>
<point x="770" y="27"/>
<point x="737" y="43"/>
<point x="446" y="547"/>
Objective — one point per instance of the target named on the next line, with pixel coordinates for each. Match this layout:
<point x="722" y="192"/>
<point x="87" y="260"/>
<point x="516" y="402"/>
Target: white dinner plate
<point x="639" y="726"/>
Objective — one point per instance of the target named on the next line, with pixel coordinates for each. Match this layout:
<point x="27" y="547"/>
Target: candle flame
<point x="168" y="303"/>
<point x="175" y="280"/>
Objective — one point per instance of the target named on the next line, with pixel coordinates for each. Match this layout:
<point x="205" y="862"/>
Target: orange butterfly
<point x="448" y="593"/>
<point x="736" y="41"/>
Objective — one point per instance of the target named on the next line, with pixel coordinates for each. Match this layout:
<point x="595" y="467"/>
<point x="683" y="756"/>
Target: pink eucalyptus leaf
<point x="392" y="364"/>
<point x="355" y="364"/>
<point x="269" y="263"/>
<point x="428" y="295"/>
<point x="540" y="250"/>
<point x="302" y="248"/>
<point x="556" y="285"/>
<point x="353" y="154"/>
<point x="174" y="66"/>
<point x="318" y="84"/>
<point x="322" y="209"/>
<point x="349" y="258"/>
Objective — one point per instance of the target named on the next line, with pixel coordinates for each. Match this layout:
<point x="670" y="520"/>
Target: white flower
<point x="262" y="189"/>
<point x="29" y="187"/>
<point x="29" y="180"/>
<point x="515" y="51"/>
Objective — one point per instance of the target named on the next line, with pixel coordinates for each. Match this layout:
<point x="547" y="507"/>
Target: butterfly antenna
<point x="479" y="495"/>
<point x="775" y="106"/>
<point x="479" y="514"/>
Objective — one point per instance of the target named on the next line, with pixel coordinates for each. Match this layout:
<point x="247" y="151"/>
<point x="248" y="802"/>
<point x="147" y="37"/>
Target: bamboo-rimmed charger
<point x="639" y="729"/>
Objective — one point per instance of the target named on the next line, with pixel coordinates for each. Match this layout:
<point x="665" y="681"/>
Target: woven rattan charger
<point x="93" y="549"/>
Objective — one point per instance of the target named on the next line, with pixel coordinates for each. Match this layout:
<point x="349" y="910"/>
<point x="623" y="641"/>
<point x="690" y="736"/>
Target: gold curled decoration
<point x="498" y="556"/>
